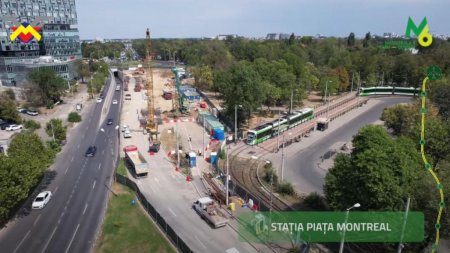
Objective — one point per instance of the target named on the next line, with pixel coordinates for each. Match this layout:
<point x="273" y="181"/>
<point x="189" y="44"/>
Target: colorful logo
<point x="424" y="38"/>
<point x="25" y="31"/>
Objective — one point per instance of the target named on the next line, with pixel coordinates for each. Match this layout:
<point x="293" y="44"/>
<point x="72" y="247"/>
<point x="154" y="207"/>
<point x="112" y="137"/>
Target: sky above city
<point x="109" y="19"/>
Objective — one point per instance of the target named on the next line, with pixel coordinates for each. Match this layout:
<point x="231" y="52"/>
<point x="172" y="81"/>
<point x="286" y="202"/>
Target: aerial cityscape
<point x="273" y="126"/>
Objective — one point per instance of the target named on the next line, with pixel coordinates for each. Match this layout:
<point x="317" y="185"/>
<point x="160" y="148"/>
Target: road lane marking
<point x="85" y="207"/>
<point x="200" y="242"/>
<point x="76" y="230"/>
<point x="100" y="165"/>
<point x="22" y="241"/>
<point x="71" y="160"/>
<point x="93" y="186"/>
<point x="170" y="210"/>
<point x="103" y="152"/>
<point x="34" y="223"/>
<point x="66" y="170"/>
<point x="49" y="239"/>
<point x="56" y="189"/>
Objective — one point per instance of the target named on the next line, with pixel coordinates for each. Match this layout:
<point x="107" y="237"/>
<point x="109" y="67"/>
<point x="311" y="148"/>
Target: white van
<point x="117" y="87"/>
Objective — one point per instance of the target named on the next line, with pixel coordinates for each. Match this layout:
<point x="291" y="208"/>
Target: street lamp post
<point x="235" y="122"/>
<point x="341" y="247"/>
<point x="178" y="149"/>
<point x="282" y="157"/>
<point x="400" y="244"/>
<point x="278" y="134"/>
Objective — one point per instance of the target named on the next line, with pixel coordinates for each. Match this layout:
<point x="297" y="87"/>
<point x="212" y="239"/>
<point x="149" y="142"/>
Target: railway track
<point x="244" y="173"/>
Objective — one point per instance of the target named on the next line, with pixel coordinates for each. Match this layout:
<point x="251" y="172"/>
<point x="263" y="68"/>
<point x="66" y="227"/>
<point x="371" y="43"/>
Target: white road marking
<point x="49" y="239"/>
<point x="56" y="189"/>
<point x="71" y="160"/>
<point x="100" y="165"/>
<point x="103" y="152"/>
<point x="34" y="223"/>
<point x="200" y="242"/>
<point x="85" y="207"/>
<point x="76" y="230"/>
<point x="66" y="170"/>
<point x="22" y="241"/>
<point x="170" y="210"/>
<point x="93" y="186"/>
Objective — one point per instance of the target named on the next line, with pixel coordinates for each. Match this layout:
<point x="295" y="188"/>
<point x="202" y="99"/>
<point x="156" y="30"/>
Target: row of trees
<point x="20" y="171"/>
<point x="8" y="110"/>
<point x="98" y="50"/>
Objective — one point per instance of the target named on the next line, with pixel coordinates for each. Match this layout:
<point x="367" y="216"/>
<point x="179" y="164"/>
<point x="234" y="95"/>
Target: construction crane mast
<point x="152" y="126"/>
<point x="179" y="100"/>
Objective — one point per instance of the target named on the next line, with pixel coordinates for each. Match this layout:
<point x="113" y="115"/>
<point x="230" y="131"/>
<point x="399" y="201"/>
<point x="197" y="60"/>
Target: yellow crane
<point x="152" y="126"/>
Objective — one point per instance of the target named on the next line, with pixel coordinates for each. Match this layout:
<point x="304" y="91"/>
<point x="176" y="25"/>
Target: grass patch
<point x="128" y="229"/>
<point x="122" y="170"/>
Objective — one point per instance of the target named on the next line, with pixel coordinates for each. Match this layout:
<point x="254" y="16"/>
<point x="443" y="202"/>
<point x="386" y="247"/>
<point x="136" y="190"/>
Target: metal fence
<point x="163" y="225"/>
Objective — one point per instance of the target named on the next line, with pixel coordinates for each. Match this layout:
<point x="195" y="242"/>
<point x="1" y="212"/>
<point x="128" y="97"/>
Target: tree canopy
<point x="46" y="88"/>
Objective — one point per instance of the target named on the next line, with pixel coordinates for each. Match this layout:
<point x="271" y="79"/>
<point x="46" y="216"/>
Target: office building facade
<point x="60" y="37"/>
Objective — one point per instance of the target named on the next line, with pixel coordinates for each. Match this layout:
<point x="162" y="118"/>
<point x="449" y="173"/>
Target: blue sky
<point x="255" y="18"/>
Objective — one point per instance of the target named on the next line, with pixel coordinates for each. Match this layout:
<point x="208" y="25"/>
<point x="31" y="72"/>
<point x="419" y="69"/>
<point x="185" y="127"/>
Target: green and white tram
<point x="388" y="90"/>
<point x="268" y="130"/>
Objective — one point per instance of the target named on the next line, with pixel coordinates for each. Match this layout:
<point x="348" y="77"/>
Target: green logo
<point x="423" y="36"/>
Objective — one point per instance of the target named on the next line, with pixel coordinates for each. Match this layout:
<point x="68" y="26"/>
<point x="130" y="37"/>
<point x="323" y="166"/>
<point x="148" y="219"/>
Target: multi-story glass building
<point x="60" y="37"/>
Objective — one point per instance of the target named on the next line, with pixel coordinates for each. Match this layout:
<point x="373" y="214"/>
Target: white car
<point x="125" y="128"/>
<point x="114" y="102"/>
<point x="14" y="127"/>
<point x="41" y="200"/>
<point x="99" y="100"/>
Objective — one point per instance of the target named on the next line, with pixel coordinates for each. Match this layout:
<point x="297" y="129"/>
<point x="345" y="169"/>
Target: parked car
<point x="41" y="200"/>
<point x="109" y="122"/>
<point x="99" y="100"/>
<point x="14" y="127"/>
<point x="4" y="125"/>
<point x="114" y="102"/>
<point x="125" y="128"/>
<point x="127" y="134"/>
<point x="32" y="113"/>
<point x="90" y="152"/>
<point x="78" y="107"/>
<point x="21" y="110"/>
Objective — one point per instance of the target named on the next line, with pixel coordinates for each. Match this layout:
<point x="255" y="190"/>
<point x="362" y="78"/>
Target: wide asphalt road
<point x="73" y="216"/>
<point x="301" y="166"/>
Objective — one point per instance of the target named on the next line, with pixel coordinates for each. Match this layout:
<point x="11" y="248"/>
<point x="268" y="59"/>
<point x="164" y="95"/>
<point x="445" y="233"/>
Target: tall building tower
<point x="60" y="38"/>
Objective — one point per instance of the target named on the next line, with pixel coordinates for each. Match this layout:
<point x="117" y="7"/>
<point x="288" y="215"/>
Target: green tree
<point x="366" y="41"/>
<point x="381" y="170"/>
<point x="55" y="128"/>
<point x="10" y="94"/>
<point x="74" y="117"/>
<point x="204" y="77"/>
<point x="440" y="94"/>
<point x="240" y="85"/>
<point x="351" y="40"/>
<point x="8" y="108"/>
<point x="50" y="86"/>
<point x="291" y="40"/>
<point x="21" y="170"/>
<point x="82" y="69"/>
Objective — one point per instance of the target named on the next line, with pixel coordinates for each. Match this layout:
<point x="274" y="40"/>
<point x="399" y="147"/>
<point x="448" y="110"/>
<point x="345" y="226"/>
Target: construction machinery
<point x="152" y="126"/>
<point x="178" y="99"/>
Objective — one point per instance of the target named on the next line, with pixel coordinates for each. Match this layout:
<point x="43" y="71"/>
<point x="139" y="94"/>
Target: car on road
<point x="41" y="200"/>
<point x="99" y="100"/>
<point x="114" y="102"/>
<point x="14" y="127"/>
<point x="32" y="113"/>
<point x="22" y="110"/>
<point x="109" y="121"/>
<point x="90" y="152"/>
<point x="128" y="96"/>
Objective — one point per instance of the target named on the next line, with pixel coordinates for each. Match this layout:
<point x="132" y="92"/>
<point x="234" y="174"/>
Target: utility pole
<point x="178" y="149"/>
<point x="292" y="98"/>
<point x="203" y="151"/>
<point x="282" y="159"/>
<point x="326" y="98"/>
<point x="400" y="244"/>
<point x="53" y="132"/>
<point x="227" y="182"/>
<point x="351" y="89"/>
<point x="278" y="134"/>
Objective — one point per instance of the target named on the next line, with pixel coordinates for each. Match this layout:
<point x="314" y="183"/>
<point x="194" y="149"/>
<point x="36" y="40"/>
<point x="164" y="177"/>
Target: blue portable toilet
<point x="192" y="159"/>
<point x="219" y="134"/>
<point x="213" y="158"/>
